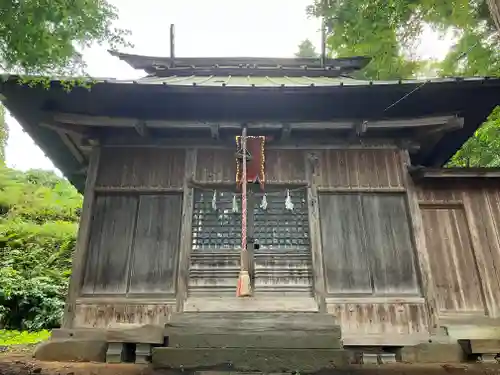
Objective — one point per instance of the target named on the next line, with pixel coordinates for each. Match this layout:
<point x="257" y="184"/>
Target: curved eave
<point x="152" y="64"/>
<point x="471" y="98"/>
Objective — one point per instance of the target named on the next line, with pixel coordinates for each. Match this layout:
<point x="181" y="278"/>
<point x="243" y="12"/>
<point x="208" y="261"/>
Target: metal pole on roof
<point x="323" y="42"/>
<point x="172" y="45"/>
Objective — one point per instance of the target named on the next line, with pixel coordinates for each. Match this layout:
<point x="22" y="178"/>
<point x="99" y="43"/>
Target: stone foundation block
<point x="71" y="351"/>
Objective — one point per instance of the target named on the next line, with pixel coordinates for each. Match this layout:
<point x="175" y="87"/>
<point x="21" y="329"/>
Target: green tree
<point x="47" y="36"/>
<point x="4" y="135"/>
<point x="483" y="148"/>
<point x="306" y="49"/>
<point x="39" y="214"/>
<point x="389" y="31"/>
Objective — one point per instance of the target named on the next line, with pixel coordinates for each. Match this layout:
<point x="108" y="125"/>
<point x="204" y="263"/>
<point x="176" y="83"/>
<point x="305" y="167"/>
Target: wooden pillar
<point x="80" y="254"/>
<point x="315" y="231"/>
<point x="419" y="243"/>
<point x="186" y="228"/>
<point x="251" y="234"/>
<point x="478" y="249"/>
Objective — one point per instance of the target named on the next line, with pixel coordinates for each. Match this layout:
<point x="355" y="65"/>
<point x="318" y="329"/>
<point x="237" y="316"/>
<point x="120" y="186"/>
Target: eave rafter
<point x="435" y="124"/>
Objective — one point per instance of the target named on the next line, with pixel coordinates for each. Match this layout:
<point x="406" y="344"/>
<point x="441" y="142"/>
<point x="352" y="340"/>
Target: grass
<point x="13" y="338"/>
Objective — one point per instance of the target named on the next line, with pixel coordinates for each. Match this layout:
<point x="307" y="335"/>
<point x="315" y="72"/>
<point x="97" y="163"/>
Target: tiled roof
<point x="243" y="66"/>
<point x="249" y="81"/>
<point x="304" y="81"/>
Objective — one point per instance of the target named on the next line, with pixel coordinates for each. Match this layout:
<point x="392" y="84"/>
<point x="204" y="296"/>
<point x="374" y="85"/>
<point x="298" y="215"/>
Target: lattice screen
<point x="275" y="226"/>
<point x="218" y="228"/>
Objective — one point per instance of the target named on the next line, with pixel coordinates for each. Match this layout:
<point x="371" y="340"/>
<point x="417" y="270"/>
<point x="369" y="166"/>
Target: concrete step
<point x="254" y="330"/>
<point x="249" y="359"/>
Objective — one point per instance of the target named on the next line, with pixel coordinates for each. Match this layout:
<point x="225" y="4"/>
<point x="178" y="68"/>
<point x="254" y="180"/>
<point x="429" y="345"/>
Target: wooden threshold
<point x="248" y="304"/>
<point x="150" y="300"/>
<point x="391" y="339"/>
<point x="370" y="299"/>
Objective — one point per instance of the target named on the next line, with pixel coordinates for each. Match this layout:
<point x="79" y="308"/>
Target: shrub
<point x="39" y="214"/>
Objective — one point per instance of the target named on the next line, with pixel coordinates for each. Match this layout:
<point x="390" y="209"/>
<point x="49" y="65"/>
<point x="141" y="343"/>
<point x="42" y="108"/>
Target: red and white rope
<point x="244" y="190"/>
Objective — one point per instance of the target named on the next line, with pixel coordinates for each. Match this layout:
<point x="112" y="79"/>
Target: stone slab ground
<point x="22" y="364"/>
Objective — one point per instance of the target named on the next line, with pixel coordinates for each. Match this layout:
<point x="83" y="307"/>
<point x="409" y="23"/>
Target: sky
<point x="215" y="28"/>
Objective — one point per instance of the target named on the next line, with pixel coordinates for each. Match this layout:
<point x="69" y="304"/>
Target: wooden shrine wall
<point x="130" y="269"/>
<point x="371" y="268"/>
<point x="462" y="235"/>
<point x="135" y="184"/>
<point x="377" y="241"/>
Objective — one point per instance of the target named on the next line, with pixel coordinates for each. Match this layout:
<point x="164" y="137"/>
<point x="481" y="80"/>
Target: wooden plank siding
<point x="462" y="227"/>
<point x="134" y="245"/>
<point x="153" y="263"/>
<point x="219" y="166"/>
<point x="104" y="314"/>
<point x="452" y="260"/>
<point x="379" y="322"/>
<point x="370" y="269"/>
<point x="366" y="244"/>
<point x="359" y="169"/>
<point x="141" y="168"/>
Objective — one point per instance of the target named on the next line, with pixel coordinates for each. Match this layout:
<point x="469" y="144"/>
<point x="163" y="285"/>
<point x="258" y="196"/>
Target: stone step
<point x="249" y="359"/>
<point x="245" y="339"/>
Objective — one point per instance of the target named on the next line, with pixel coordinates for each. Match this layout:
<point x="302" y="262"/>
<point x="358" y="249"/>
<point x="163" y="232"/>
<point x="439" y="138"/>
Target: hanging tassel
<point x="263" y="203"/>
<point x="235" y="205"/>
<point x="288" y="201"/>
<point x="214" y="201"/>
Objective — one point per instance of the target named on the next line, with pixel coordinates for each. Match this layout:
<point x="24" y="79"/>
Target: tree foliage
<point x="39" y="214"/>
<point x="306" y="49"/>
<point x="390" y="30"/>
<point x="4" y="134"/>
<point x="47" y="36"/>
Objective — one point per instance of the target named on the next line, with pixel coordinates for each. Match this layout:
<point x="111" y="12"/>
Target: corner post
<point x="186" y="226"/>
<point x="315" y="231"/>
<point x="80" y="254"/>
<point x="419" y="243"/>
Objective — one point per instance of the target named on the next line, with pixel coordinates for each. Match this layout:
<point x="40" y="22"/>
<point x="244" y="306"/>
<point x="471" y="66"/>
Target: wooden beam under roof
<point x="100" y="121"/>
<point x="462" y="173"/>
<point x="72" y="129"/>
<point x="333" y="143"/>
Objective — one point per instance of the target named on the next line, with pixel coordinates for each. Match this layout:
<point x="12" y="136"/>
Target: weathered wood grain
<point x="481" y="346"/>
<point x="360" y="320"/>
<point x="110" y="244"/>
<point x="82" y="246"/>
<point x="106" y="314"/>
<point x="273" y="303"/>
<point x="284" y="166"/>
<point x="389" y="244"/>
<point x="452" y="260"/>
<point x="145" y="167"/>
<point x="131" y="333"/>
<point x="216" y="165"/>
<point x="367" y="244"/>
<point x="343" y="243"/>
<point x="253" y="322"/>
<point x="359" y="168"/>
<point x="185" y="243"/>
<point x="155" y="253"/>
<point x="315" y="230"/>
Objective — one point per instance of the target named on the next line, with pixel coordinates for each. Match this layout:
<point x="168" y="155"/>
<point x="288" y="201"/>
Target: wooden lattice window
<point x="277" y="227"/>
<point x="216" y="226"/>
